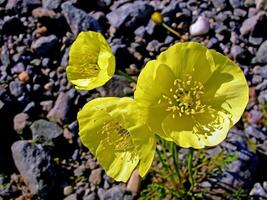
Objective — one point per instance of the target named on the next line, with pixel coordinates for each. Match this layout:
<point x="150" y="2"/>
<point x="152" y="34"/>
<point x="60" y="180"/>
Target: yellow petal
<point x="227" y="88"/>
<point x="154" y="80"/>
<point x="184" y="58"/>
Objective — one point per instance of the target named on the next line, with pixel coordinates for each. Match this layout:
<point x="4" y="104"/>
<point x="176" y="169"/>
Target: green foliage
<point x="181" y="178"/>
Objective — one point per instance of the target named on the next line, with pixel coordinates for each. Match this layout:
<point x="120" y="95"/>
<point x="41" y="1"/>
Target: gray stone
<point x="130" y="15"/>
<point x="256" y="133"/>
<point x="20" y="122"/>
<point x="4" y="56"/>
<point x="261" y="55"/>
<point x="91" y="196"/>
<point x="62" y="105"/>
<point x="219" y="4"/>
<point x="118" y="86"/>
<point x="171" y="9"/>
<point x="45" y="45"/>
<point x="95" y="177"/>
<point x="51" y="4"/>
<point x="71" y="197"/>
<point x="262" y="98"/>
<point x="114" y="193"/>
<point x="34" y="164"/>
<point x="236" y="3"/>
<point x="79" y="20"/>
<point x="16" y="88"/>
<point x="46" y="130"/>
<point x="258" y="191"/>
<point x="249" y="25"/>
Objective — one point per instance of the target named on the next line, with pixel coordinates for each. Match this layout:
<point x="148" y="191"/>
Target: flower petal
<point x="154" y="80"/>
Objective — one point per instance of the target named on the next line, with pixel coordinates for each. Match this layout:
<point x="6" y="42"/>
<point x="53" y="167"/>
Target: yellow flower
<point x="91" y="62"/>
<point x="113" y="130"/>
<point x="192" y="95"/>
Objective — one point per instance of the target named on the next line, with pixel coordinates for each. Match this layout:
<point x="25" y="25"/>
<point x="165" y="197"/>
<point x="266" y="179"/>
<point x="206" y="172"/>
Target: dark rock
<point x="4" y="56"/>
<point x="45" y="45"/>
<point x="16" y="88"/>
<point x="34" y="164"/>
<point x="79" y="20"/>
<point x="171" y="9"/>
<point x="32" y="3"/>
<point x="71" y="197"/>
<point x="262" y="71"/>
<point x="240" y="54"/>
<point x="255" y="133"/>
<point x="130" y="15"/>
<point x="96" y="176"/>
<point x="258" y="191"/>
<point x="219" y="4"/>
<point x="261" y="55"/>
<point x="61" y="108"/>
<point x="118" y="86"/>
<point x="46" y="130"/>
<point x="253" y="24"/>
<point x="236" y="3"/>
<point x="20" y="122"/>
<point x="115" y="193"/>
<point x="51" y="4"/>
<point x="12" y="26"/>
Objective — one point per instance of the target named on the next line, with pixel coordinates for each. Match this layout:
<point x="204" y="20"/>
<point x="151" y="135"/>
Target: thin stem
<point x="176" y="162"/>
<point x="189" y="167"/>
<point x="129" y="78"/>
<point x="170" y="29"/>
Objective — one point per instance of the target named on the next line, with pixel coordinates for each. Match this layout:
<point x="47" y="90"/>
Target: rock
<point x="118" y="86"/>
<point x="261" y="4"/>
<point x="46" y="105"/>
<point x="24" y="77"/>
<point x="61" y="108"/>
<point x="45" y="129"/>
<point x="51" y="4"/>
<point x="42" y="12"/>
<point x="171" y="9"/>
<point x="253" y="24"/>
<point x="91" y="196"/>
<point x="16" y="88"/>
<point x="262" y="71"/>
<point x="12" y="26"/>
<point x="153" y="46"/>
<point x="13" y="4"/>
<point x="258" y="191"/>
<point x="18" y="68"/>
<point x="200" y="27"/>
<point x="91" y="164"/>
<point x="71" y="197"/>
<point x="34" y="164"/>
<point x="32" y="3"/>
<point x="255" y="133"/>
<point x="4" y="56"/>
<point x="115" y="193"/>
<point x="236" y="3"/>
<point x="240" y="54"/>
<point x="45" y="45"/>
<point x="261" y="55"/>
<point x="20" y="122"/>
<point x="68" y="190"/>
<point x="95" y="177"/>
<point x="79" y="20"/>
<point x="219" y="4"/>
<point x="130" y="15"/>
<point x="134" y="182"/>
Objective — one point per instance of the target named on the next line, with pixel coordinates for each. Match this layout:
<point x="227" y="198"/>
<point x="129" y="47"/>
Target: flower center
<point x="184" y="97"/>
<point x="118" y="138"/>
<point x="90" y="67"/>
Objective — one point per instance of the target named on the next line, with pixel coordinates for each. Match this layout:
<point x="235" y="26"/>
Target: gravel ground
<point x="38" y="106"/>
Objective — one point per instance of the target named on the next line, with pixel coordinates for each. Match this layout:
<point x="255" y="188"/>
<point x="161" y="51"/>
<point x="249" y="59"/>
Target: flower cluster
<point x="190" y="95"/>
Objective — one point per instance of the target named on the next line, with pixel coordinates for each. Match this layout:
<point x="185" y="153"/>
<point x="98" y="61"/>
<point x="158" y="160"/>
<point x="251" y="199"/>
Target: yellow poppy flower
<point x="192" y="95"/>
<point x="113" y="130"/>
<point x="91" y="62"/>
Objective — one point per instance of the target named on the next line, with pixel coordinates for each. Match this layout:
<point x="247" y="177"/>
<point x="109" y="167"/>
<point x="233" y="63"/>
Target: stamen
<point x="184" y="97"/>
<point x="118" y="138"/>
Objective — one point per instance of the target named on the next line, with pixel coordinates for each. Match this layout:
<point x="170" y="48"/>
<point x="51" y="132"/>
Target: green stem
<point x="129" y="78"/>
<point x="190" y="170"/>
<point x="176" y="162"/>
<point x="170" y="29"/>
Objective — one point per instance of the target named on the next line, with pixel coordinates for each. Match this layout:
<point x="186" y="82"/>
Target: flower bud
<point x="157" y="18"/>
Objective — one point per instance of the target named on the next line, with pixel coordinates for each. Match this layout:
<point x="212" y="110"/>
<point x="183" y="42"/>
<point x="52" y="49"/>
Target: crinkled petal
<point x="227" y="88"/>
<point x="154" y="80"/>
<point x="186" y="58"/>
